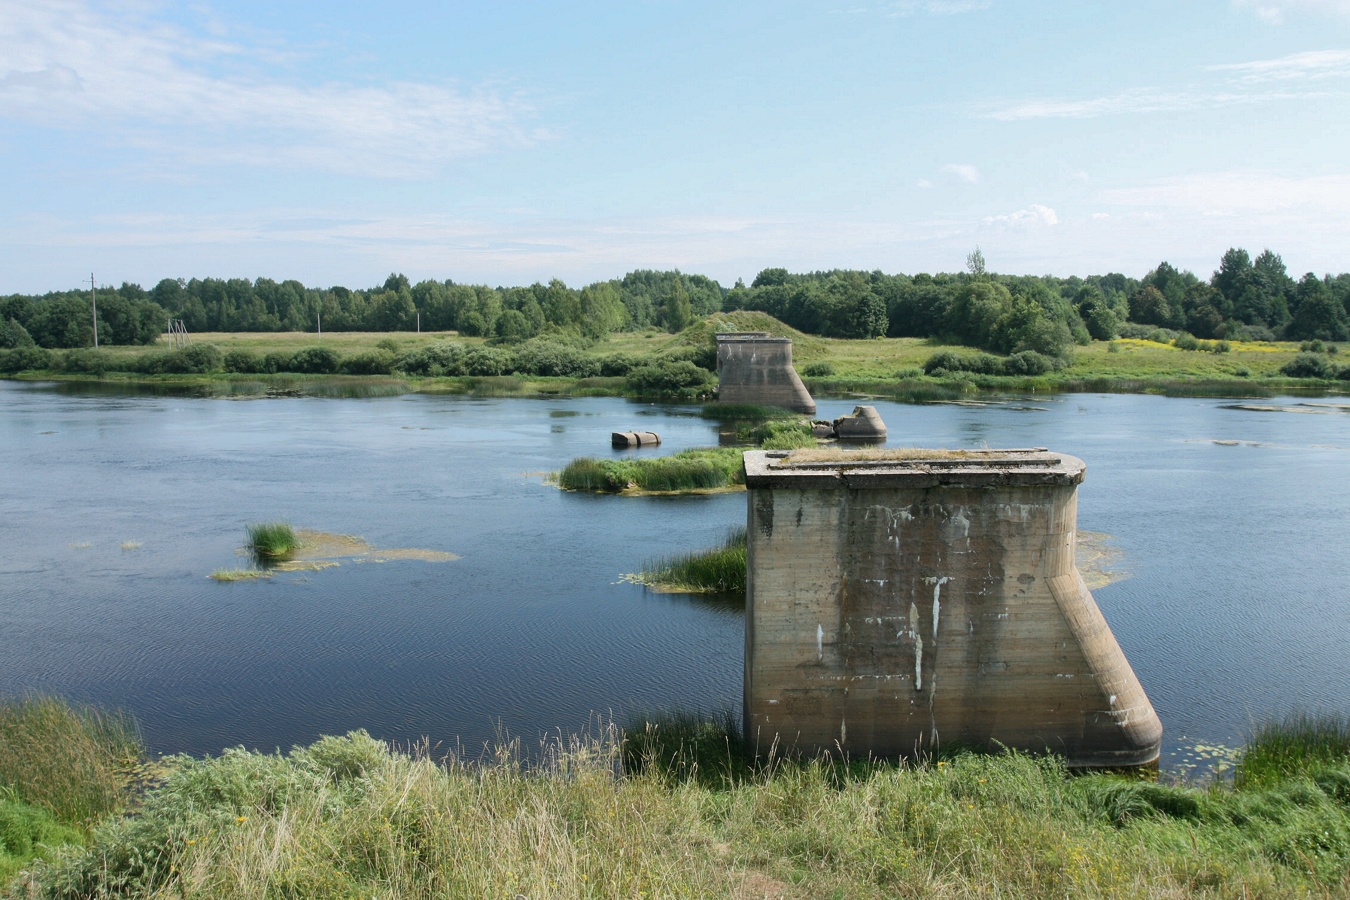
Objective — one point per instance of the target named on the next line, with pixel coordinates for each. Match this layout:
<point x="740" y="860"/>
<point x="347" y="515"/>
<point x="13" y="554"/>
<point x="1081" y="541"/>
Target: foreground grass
<point x="62" y="769"/>
<point x="670" y="810"/>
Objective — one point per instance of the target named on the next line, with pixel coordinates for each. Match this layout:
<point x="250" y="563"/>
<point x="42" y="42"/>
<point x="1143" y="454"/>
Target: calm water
<point x="1238" y="606"/>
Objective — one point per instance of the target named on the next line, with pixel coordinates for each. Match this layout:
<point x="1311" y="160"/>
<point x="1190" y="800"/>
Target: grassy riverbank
<point x="371" y="364"/>
<point x="671" y="810"/>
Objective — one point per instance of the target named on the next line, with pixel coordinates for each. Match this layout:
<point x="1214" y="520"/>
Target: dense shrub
<point x="194" y="359"/>
<point x="1028" y="362"/>
<point x="438" y="359"/>
<point x="952" y="361"/>
<point x="619" y="364"/>
<point x="87" y="361"/>
<point x="1186" y="342"/>
<point x="315" y="361"/>
<point x="275" y="361"/>
<point x="1308" y="365"/>
<point x="374" y="362"/>
<point x="482" y="361"/>
<point x="818" y="370"/>
<point x="665" y="379"/>
<point x="547" y="358"/>
<point x="22" y="359"/>
<point x="243" y="362"/>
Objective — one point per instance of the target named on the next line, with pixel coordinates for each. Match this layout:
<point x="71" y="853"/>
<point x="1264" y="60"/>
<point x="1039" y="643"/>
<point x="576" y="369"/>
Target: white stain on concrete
<point x="937" y="584"/>
<point x="918" y="646"/>
<point x="820" y="643"/>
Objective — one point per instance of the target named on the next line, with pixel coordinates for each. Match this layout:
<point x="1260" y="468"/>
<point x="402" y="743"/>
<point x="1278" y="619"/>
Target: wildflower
<point x="241" y="818"/>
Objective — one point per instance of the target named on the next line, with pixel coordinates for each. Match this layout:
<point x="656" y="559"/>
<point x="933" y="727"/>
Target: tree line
<point x="1244" y="299"/>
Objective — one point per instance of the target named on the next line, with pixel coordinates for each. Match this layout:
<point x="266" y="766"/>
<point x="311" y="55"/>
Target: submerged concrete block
<point x="864" y="425"/>
<point x="905" y="599"/>
<point x="755" y="368"/>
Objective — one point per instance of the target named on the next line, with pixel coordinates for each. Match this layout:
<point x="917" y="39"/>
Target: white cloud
<point x="1275" y="12"/>
<point x="182" y="95"/>
<point x="964" y="171"/>
<point x="1312" y="65"/>
<point x="923" y="183"/>
<point x="1035" y="214"/>
<point x="1240" y="194"/>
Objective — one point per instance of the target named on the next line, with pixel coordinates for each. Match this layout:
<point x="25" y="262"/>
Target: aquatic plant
<point x="780" y="435"/>
<point x="688" y="470"/>
<point x="720" y="569"/>
<point x="1297" y="743"/>
<point x="270" y="542"/>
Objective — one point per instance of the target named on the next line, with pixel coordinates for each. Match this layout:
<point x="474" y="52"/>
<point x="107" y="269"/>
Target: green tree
<point x="978" y="311"/>
<point x="1317" y="314"/>
<point x="679" y="311"/>
<point x="602" y="310"/>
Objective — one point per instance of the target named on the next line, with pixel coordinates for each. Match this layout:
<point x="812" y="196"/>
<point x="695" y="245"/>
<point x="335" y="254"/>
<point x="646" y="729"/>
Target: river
<point x="1233" y="524"/>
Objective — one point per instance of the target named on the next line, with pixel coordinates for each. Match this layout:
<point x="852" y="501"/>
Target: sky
<point x="510" y="142"/>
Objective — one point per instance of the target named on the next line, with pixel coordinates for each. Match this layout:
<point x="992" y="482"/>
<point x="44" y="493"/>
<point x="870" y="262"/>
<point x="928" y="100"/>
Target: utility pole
<point x="318" y="320"/>
<point x="93" y="301"/>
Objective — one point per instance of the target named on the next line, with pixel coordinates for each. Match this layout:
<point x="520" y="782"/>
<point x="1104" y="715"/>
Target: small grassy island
<point x="660" y="809"/>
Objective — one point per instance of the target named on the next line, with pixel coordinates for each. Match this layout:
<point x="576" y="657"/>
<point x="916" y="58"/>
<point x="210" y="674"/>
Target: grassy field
<point x="670" y="808"/>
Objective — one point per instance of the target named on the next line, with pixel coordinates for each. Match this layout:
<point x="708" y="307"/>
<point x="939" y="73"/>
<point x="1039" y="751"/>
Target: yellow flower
<point x="241" y="818"/>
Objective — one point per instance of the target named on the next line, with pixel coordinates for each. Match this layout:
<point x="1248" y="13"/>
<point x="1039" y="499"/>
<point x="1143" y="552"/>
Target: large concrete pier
<point x="753" y="367"/>
<point x="899" y="600"/>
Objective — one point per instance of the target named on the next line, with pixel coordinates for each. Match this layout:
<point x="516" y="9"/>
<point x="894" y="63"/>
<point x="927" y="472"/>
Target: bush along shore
<point x="668" y="808"/>
<point x="681" y="367"/>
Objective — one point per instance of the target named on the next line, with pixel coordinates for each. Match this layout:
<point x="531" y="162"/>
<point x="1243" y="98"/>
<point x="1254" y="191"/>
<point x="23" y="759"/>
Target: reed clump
<point x="718" y="570"/>
<point x="72" y="761"/>
<point x="1300" y="742"/>
<point x="272" y="542"/>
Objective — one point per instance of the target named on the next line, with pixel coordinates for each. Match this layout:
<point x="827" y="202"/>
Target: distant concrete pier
<point x="901" y="600"/>
<point x="753" y="367"/>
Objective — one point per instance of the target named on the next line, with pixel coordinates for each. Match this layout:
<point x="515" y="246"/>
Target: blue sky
<point x="336" y="142"/>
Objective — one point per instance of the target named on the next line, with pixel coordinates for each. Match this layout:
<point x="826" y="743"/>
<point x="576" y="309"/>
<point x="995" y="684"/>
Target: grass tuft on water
<point x="719" y="570"/>
<point x="688" y="470"/>
<point x="272" y="542"/>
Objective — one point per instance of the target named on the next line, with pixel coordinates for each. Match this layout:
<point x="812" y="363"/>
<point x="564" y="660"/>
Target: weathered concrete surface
<point x="894" y="605"/>
<point x="864" y="425"/>
<point x="755" y="368"/>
